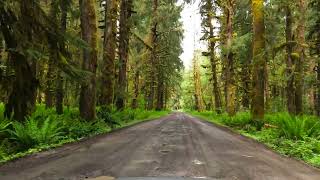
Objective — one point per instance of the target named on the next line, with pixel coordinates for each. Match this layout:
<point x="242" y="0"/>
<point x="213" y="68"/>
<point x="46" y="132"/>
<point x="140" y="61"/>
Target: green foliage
<point x="32" y="132"/>
<point x="104" y="113"/>
<point x="296" y="137"/>
<point x="240" y="120"/>
<point x="297" y="127"/>
<point x="45" y="129"/>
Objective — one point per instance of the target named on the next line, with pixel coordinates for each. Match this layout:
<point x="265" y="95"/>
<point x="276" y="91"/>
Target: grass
<point x="44" y="129"/>
<point x="297" y="137"/>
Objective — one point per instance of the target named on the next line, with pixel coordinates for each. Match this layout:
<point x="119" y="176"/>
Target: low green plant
<point x="240" y="120"/>
<point x="104" y="113"/>
<point x="32" y="132"/>
<point x="297" y="127"/>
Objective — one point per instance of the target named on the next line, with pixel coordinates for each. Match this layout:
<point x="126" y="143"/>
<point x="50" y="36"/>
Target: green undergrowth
<point x="297" y="137"/>
<point x="44" y="129"/>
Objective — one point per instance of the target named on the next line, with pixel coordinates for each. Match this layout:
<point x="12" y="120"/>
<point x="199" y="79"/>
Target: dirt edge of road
<point x="249" y="139"/>
<point x="86" y="140"/>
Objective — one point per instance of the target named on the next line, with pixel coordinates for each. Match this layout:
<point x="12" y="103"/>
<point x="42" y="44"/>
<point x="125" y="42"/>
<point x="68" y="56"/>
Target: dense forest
<point x="261" y="56"/>
<point x="71" y="69"/>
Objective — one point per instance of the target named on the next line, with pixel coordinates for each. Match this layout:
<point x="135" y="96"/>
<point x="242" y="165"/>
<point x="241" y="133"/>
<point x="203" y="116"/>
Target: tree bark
<point x="109" y="52"/>
<point x="89" y="35"/>
<point x="290" y="89"/>
<point x="301" y="57"/>
<point x="258" y="62"/>
<point x="318" y="88"/>
<point x="213" y="61"/>
<point x="125" y="14"/>
<point x="153" y="55"/>
<point x="197" y="84"/>
<point x="134" y="104"/>
<point x="22" y="98"/>
<point x="52" y="68"/>
<point x="230" y="75"/>
<point x="60" y="81"/>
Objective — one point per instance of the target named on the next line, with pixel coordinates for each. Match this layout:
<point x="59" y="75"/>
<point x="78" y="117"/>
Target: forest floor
<point x="177" y="145"/>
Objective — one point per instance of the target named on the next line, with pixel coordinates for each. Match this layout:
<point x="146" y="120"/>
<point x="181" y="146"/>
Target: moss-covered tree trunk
<point x="109" y="52"/>
<point x="60" y="80"/>
<point x="153" y="56"/>
<point x="213" y="60"/>
<point x="160" y="95"/>
<point x="318" y="87"/>
<point x="230" y="75"/>
<point x="136" y="83"/>
<point x="89" y="35"/>
<point x="197" y="85"/>
<point x="53" y="56"/>
<point x="302" y="8"/>
<point x="290" y="89"/>
<point x="125" y="14"/>
<point x="22" y="96"/>
<point x="259" y="61"/>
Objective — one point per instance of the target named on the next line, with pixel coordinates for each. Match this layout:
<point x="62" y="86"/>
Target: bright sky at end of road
<point x="191" y="19"/>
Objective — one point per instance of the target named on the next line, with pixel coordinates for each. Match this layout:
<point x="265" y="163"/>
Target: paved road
<point x="174" y="146"/>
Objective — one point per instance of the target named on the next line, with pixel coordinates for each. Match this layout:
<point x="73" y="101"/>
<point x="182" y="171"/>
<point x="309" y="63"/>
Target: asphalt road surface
<point x="174" y="147"/>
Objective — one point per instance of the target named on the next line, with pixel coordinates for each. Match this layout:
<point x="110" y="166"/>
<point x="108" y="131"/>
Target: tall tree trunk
<point x="22" y="97"/>
<point x="89" y="34"/>
<point x="160" y="95"/>
<point x="246" y="80"/>
<point x="290" y="89"/>
<point x="153" y="55"/>
<point x="197" y="84"/>
<point x="53" y="56"/>
<point x="213" y="61"/>
<point x="109" y="52"/>
<point x="134" y="104"/>
<point x="51" y="77"/>
<point x="301" y="52"/>
<point x="258" y="62"/>
<point x="318" y="87"/>
<point x="230" y="75"/>
<point x="60" y="81"/>
<point x="125" y="14"/>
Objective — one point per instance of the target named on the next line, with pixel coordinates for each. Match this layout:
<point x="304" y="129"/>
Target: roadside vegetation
<point x="296" y="137"/>
<point x="72" y="69"/>
<point x="44" y="129"/>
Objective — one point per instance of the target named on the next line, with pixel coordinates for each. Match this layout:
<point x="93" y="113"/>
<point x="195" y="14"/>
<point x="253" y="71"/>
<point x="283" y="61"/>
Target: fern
<point x="299" y="127"/>
<point x="33" y="133"/>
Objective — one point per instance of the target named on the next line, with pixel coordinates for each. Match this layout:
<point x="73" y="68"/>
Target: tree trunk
<point x="125" y="14"/>
<point x="22" y="97"/>
<point x="51" y="76"/>
<point x="160" y="96"/>
<point x="60" y="81"/>
<point x="258" y="62"/>
<point x="52" y="68"/>
<point x="89" y="35"/>
<point x="301" y="56"/>
<point x="153" y="55"/>
<point x="134" y="104"/>
<point x="216" y="89"/>
<point x="197" y="84"/>
<point x="230" y="75"/>
<point x="290" y="75"/>
<point x="109" y="52"/>
<point x="318" y="88"/>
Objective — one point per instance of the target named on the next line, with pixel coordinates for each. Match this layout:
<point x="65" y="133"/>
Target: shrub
<point x="297" y="127"/>
<point x="33" y="132"/>
<point x="104" y="114"/>
<point x="239" y="120"/>
<point x="80" y="128"/>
